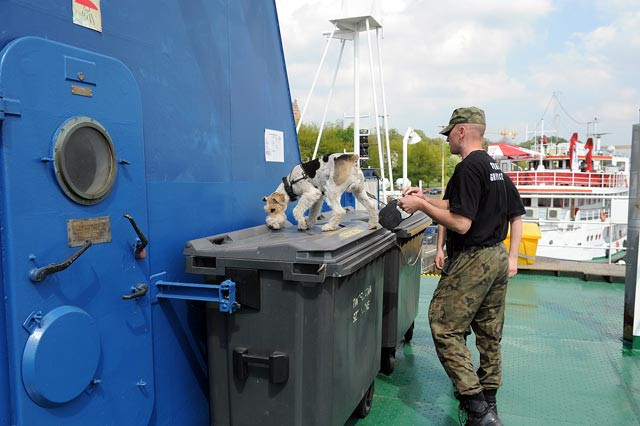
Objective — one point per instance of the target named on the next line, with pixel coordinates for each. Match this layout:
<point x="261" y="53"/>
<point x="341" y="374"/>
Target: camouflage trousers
<point x="471" y="293"/>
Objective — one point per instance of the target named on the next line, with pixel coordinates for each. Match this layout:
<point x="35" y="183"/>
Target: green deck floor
<point x="563" y="361"/>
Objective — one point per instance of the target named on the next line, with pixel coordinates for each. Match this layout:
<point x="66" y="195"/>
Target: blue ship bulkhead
<point x="185" y="91"/>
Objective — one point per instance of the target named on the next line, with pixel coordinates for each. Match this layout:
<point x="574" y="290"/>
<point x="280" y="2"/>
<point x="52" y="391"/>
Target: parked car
<point x="435" y="191"/>
<point x="429" y="239"/>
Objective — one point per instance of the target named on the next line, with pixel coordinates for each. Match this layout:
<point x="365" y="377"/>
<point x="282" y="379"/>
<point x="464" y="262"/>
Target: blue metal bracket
<point x="8" y="106"/>
<point x="33" y="321"/>
<point x="223" y="293"/>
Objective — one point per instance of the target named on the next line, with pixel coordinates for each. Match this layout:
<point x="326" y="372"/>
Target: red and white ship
<point x="577" y="195"/>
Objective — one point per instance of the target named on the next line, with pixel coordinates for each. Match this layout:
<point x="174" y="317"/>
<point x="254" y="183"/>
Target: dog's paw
<point x="374" y="225"/>
<point x="302" y="225"/>
<point x="329" y="227"/>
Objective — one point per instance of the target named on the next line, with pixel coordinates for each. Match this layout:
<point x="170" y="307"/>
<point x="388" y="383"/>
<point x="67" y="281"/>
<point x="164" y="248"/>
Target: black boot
<point x="478" y="412"/>
<point x="490" y="398"/>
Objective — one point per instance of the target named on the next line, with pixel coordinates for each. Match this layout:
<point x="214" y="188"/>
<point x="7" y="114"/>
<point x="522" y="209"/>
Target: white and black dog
<point x="330" y="176"/>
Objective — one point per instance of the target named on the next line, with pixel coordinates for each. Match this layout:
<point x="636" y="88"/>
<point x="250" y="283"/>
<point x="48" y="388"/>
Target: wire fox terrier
<point x="328" y="176"/>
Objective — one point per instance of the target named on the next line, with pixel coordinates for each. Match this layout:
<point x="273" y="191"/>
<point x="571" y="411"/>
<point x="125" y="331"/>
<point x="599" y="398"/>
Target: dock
<point x="611" y="272"/>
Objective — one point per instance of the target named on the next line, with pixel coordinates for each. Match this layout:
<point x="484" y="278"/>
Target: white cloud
<point x="598" y="39"/>
<point x="621" y="110"/>
<point x="438" y="55"/>
<point x="572" y="68"/>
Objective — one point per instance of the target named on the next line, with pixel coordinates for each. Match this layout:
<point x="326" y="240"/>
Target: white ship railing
<point x="568" y="178"/>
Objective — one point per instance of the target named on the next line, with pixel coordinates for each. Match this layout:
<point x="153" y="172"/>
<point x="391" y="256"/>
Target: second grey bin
<point x="401" y="287"/>
<point x="303" y="349"/>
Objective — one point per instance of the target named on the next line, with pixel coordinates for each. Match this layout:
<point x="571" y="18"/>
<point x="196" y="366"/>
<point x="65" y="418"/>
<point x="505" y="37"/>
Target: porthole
<point x="85" y="160"/>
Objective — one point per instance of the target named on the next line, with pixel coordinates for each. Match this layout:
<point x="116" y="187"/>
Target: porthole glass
<point x="85" y="160"/>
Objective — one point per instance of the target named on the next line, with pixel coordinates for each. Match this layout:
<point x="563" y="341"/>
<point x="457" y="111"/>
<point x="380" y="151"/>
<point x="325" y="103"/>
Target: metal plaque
<point x="97" y="230"/>
<point x="81" y="91"/>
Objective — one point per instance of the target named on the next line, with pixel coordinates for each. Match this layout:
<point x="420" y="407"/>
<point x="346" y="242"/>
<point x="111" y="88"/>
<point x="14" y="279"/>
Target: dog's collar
<point x="288" y="186"/>
<point x="288" y="189"/>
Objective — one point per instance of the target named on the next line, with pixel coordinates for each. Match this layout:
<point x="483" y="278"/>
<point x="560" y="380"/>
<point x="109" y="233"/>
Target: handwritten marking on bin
<point x="361" y="304"/>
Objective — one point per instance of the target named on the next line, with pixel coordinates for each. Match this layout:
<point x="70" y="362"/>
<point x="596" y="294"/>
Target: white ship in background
<point x="578" y="195"/>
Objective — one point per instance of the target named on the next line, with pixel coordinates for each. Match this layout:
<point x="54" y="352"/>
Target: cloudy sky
<point x="505" y="56"/>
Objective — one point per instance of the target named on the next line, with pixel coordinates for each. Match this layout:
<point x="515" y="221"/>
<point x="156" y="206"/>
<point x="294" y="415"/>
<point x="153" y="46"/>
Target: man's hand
<point x="410" y="203"/>
<point x="414" y="190"/>
<point x="513" y="267"/>
<point x="439" y="259"/>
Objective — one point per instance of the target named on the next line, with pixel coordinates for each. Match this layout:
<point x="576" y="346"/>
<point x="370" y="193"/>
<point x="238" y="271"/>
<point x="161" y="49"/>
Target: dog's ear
<point x="278" y="198"/>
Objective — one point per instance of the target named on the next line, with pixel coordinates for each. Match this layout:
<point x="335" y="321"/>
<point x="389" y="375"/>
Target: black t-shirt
<point x="480" y="191"/>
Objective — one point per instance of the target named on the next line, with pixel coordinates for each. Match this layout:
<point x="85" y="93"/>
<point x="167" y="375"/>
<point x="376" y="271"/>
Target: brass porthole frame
<point x="71" y="190"/>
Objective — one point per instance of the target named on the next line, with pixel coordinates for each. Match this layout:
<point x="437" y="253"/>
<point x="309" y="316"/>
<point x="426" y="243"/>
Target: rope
<point x="414" y="261"/>
<point x="565" y="111"/>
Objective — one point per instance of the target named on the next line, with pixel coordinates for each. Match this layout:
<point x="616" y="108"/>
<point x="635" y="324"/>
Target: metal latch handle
<point x="278" y="363"/>
<point x="38" y="274"/>
<point x="139" y="291"/>
<point x="139" y="251"/>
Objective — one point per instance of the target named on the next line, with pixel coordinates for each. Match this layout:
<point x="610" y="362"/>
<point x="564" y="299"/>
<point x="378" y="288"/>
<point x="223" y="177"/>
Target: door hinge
<point x="8" y="106"/>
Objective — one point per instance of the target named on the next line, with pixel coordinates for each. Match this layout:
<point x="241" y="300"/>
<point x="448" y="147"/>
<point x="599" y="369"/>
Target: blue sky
<point x="506" y="57"/>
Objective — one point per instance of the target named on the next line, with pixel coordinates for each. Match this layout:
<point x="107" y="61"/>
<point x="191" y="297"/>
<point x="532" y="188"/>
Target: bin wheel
<point x="364" y="407"/>
<point x="387" y="360"/>
<point x="409" y="334"/>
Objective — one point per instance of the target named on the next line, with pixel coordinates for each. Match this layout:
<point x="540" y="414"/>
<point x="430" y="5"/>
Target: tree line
<point x="424" y="159"/>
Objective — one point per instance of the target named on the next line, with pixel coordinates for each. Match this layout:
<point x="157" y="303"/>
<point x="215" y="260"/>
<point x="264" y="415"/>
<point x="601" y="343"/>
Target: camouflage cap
<point x="464" y="115"/>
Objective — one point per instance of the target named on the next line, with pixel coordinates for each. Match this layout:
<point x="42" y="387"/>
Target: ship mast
<point x="358" y="16"/>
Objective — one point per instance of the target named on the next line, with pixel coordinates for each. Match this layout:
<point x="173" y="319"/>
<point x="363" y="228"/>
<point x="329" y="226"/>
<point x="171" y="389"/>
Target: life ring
<point x="603" y="216"/>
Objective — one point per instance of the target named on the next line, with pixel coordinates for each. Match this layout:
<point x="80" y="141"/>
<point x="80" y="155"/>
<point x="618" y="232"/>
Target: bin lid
<point x="302" y="255"/>
<point x="407" y="228"/>
<point x="413" y="225"/>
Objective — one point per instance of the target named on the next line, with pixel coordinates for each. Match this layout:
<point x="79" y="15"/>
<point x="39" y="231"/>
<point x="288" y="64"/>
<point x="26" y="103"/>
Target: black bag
<point x="390" y="215"/>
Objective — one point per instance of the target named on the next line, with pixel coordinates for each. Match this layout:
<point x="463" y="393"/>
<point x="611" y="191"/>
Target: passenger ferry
<point x="578" y="197"/>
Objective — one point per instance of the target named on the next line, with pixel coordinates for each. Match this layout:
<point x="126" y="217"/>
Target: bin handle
<point x="278" y="363"/>
<point x="318" y="276"/>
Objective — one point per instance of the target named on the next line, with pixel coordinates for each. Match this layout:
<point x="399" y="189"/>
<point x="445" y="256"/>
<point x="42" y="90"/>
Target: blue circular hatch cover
<point x="61" y="356"/>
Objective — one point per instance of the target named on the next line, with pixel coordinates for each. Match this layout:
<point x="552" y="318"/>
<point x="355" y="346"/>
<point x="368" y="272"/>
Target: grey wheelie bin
<point x="303" y="346"/>
<point x="401" y="287"/>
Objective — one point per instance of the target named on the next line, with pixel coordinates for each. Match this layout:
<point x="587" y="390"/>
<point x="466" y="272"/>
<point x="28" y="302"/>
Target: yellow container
<point x="529" y="243"/>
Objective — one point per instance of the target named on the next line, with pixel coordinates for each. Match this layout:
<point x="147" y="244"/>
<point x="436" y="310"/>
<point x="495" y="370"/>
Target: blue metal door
<point x="72" y="165"/>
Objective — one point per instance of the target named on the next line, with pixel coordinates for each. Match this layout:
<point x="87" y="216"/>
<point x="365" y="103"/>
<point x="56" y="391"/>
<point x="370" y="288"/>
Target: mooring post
<point x="631" y="331"/>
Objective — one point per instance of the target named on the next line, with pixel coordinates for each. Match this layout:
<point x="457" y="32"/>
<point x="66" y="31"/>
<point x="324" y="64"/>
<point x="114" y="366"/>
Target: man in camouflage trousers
<point x="478" y="205"/>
